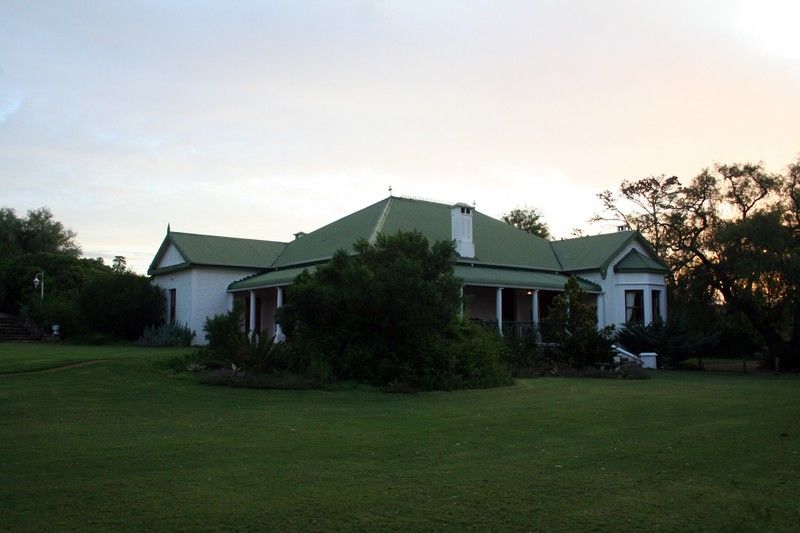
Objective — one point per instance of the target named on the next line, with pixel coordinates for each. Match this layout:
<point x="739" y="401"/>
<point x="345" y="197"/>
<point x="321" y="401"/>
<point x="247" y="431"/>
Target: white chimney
<point x="461" y="229"/>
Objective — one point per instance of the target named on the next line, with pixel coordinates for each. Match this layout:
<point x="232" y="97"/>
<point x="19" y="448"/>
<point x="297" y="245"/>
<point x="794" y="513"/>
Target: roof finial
<point x="167" y="227"/>
<point x="473" y="204"/>
<point x="390" y="190"/>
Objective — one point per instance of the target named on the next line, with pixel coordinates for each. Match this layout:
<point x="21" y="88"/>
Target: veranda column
<point x="600" y="311"/>
<point x="535" y="306"/>
<point x="230" y="301"/>
<point x="499" y="309"/>
<point x="252" y="312"/>
<point x="279" y="336"/>
<point x="647" y="300"/>
<point x="461" y="302"/>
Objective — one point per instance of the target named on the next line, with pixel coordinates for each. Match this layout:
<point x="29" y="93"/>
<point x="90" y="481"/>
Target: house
<point x="508" y="275"/>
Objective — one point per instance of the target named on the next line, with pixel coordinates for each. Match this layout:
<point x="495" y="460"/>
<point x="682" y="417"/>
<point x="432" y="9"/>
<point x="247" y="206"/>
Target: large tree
<point x="738" y="228"/>
<point x="37" y="232"/>
<point x="528" y="219"/>
<point x="389" y="313"/>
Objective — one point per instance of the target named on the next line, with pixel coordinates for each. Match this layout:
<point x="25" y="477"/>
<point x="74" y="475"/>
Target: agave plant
<point x="252" y="352"/>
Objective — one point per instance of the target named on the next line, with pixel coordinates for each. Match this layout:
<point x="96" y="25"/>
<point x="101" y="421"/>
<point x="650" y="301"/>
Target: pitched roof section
<point x="635" y="261"/>
<point x="496" y="242"/>
<point x="597" y="251"/>
<point x="211" y="250"/>
<point x="322" y="243"/>
<point x="519" y="279"/>
<point x="271" y="278"/>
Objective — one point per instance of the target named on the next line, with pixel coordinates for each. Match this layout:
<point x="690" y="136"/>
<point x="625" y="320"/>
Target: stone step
<point x="13" y="328"/>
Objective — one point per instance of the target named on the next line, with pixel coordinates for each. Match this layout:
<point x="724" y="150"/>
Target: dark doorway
<point x="509" y="305"/>
<point x="173" y="304"/>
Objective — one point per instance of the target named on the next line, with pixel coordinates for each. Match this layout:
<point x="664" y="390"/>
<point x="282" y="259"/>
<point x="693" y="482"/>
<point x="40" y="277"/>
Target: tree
<point x="528" y="219"/>
<point x="120" y="264"/>
<point x="641" y="205"/>
<point x="120" y="305"/>
<point x="737" y="228"/>
<point x="37" y="232"/>
<point x="572" y="325"/>
<point x="389" y="313"/>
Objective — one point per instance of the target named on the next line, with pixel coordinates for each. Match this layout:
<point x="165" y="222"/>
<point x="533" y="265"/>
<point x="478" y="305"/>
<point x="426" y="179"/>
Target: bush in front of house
<point x="673" y="340"/>
<point x="572" y="325"/>
<point x="120" y="304"/>
<point x="222" y="329"/>
<point x="389" y="313"/>
<point x="166" y="335"/>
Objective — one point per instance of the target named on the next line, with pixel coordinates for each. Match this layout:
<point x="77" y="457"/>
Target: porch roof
<point x="520" y="279"/>
<point x="471" y="275"/>
<point x="273" y="278"/>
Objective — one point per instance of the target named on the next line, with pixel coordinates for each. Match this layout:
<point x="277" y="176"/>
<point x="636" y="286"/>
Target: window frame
<point x="655" y="302"/>
<point x="634" y="314"/>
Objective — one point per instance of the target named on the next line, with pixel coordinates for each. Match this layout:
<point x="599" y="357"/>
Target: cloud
<point x="8" y="106"/>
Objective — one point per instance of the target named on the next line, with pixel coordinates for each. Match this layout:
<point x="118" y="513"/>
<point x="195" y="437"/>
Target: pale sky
<point x="261" y="119"/>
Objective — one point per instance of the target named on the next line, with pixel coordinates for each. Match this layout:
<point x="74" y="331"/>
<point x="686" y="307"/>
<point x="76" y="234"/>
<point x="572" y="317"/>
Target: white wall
<point x="171" y="257"/>
<point x="615" y="285"/>
<point x="201" y="292"/>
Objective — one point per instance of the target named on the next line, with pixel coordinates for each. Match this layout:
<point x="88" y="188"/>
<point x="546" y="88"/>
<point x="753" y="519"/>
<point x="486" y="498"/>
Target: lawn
<point x="123" y="444"/>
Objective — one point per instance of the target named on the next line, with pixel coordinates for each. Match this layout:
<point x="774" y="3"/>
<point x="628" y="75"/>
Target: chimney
<point x="299" y="234"/>
<point x="461" y="229"/>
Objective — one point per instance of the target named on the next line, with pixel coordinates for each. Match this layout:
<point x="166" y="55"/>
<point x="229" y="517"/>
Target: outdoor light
<point x="37" y="282"/>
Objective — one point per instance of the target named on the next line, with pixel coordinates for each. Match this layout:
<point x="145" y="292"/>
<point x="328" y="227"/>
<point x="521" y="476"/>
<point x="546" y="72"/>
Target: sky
<point x="262" y="119"/>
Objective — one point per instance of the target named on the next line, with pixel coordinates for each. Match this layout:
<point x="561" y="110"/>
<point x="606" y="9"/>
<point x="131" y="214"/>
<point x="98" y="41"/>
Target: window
<point x="172" y="305"/>
<point x="634" y="307"/>
<point x="656" y="295"/>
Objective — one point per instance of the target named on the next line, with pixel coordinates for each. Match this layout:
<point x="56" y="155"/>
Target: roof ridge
<point x="380" y="222"/>
<point x="593" y="236"/>
<point x="555" y="254"/>
<point x="225" y="237"/>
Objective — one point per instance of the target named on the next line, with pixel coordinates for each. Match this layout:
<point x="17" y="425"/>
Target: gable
<point x="636" y="261"/>
<point x="181" y="250"/>
<point x="171" y="257"/>
<point x="597" y="252"/>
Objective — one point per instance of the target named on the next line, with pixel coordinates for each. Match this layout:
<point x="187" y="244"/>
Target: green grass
<point x="121" y="444"/>
<point x="34" y="357"/>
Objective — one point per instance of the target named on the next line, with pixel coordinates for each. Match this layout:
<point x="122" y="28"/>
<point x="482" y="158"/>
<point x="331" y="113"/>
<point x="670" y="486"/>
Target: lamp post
<point x="37" y="282"/>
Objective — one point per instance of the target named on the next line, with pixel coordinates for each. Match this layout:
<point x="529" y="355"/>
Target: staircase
<point x="644" y="359"/>
<point x="13" y="328"/>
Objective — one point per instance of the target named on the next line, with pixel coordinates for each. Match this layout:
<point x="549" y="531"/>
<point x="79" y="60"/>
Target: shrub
<point x="166" y="335"/>
<point x="221" y="329"/>
<point x="250" y="352"/>
<point x="120" y="304"/>
<point x="389" y="314"/>
<point x="572" y="325"/>
<point x="524" y="356"/>
<point x="58" y="308"/>
<point x="673" y="340"/>
<point x="478" y="358"/>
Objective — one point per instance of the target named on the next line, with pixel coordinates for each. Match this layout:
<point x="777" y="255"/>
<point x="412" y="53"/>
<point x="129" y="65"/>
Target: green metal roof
<point x="504" y="255"/>
<point x="597" y="251"/>
<point x="211" y="250"/>
<point x="272" y="278"/>
<point x="477" y="275"/>
<point x="635" y="261"/>
<point x="339" y="235"/>
<point x="496" y="242"/>
<point x="521" y="279"/>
